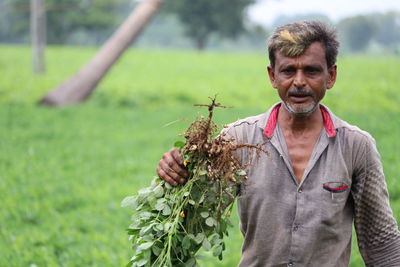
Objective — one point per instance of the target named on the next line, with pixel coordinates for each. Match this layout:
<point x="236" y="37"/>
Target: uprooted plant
<point x="170" y="224"/>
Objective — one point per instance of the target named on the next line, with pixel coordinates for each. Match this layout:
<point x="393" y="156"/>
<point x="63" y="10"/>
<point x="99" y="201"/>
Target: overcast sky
<point x="265" y="11"/>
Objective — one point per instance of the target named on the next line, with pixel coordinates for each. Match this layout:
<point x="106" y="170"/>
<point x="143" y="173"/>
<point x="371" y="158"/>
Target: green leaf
<point x="145" y="246"/>
<point x="142" y="262"/>
<point x="158" y="191"/>
<point x="206" y="244"/>
<point x="159" y="227"/>
<point x="156" y="250"/>
<point x="204" y="214"/>
<point x="196" y="193"/>
<point x="202" y="198"/>
<point x="129" y="202"/>
<point x="199" y="238"/>
<point x="202" y="172"/>
<point x="129" y="264"/>
<point x="223" y="226"/>
<point x="186" y="194"/>
<point x="145" y="230"/>
<point x="229" y="221"/>
<point x="161" y="200"/>
<point x="191" y="202"/>
<point x="191" y="236"/>
<point x="215" y="240"/>
<point x="145" y="191"/>
<point x="145" y="215"/>
<point x="190" y="263"/>
<point x="133" y="231"/>
<point x="156" y="180"/>
<point x="211" y="221"/>
<point x="168" y="186"/>
<point x="217" y="250"/>
<point x="241" y="172"/>
<point x="166" y="211"/>
<point x="152" y="203"/>
<point x="179" y="238"/>
<point x="167" y="226"/>
<point x="186" y="242"/>
<point x="134" y="258"/>
<point x="159" y="206"/>
<point x="179" y="144"/>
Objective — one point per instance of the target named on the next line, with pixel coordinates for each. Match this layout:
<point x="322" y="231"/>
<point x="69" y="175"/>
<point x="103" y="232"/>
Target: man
<point x="298" y="205"/>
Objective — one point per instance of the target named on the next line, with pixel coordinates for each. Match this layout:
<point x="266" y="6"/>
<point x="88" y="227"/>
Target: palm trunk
<point x="79" y="87"/>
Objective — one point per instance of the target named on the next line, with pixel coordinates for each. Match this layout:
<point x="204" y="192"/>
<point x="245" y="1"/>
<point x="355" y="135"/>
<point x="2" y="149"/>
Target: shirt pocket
<point x="334" y="210"/>
<point x="335" y="193"/>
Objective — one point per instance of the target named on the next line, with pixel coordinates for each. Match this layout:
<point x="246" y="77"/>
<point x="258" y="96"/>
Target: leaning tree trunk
<point x="79" y="87"/>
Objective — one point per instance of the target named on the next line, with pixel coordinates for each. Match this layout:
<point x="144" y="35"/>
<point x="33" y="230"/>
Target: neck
<point x="299" y="124"/>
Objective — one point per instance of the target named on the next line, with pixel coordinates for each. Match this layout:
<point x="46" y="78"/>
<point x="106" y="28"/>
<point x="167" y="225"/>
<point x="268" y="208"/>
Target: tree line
<point x="199" y="23"/>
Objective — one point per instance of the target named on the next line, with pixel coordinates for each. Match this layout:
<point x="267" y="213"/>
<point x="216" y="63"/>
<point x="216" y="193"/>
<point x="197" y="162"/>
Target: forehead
<point x="314" y="54"/>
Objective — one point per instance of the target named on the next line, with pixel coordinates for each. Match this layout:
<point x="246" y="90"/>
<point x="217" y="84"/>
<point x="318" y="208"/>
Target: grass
<point x="64" y="171"/>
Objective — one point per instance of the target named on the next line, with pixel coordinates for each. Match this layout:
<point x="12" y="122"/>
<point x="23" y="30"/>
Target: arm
<point x="377" y="231"/>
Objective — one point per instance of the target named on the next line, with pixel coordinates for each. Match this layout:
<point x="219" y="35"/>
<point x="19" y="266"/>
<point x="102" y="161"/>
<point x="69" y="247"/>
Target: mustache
<point x="299" y="91"/>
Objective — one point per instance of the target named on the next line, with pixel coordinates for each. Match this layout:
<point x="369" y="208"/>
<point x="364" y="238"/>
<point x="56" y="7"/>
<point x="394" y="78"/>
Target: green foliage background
<point x="63" y="172"/>
<point x="202" y="18"/>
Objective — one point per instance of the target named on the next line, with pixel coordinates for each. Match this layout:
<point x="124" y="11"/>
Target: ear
<point x="272" y="77"/>
<point x="332" y="76"/>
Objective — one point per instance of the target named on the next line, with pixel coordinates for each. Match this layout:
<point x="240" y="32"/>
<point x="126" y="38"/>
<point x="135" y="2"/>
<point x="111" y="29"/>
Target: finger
<point x="177" y="156"/>
<point x="170" y="165"/>
<point x="169" y="171"/>
<point x="163" y="175"/>
<point x="179" y="160"/>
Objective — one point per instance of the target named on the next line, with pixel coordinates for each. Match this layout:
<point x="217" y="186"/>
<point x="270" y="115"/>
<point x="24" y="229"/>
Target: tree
<point x="63" y="18"/>
<point x="38" y="35"/>
<point x="357" y="32"/>
<point x="387" y="29"/>
<point x="201" y="18"/>
<point x="66" y="16"/>
<point x="80" y="86"/>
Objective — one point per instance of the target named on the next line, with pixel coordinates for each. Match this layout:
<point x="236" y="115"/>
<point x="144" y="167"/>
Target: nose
<point x="299" y="79"/>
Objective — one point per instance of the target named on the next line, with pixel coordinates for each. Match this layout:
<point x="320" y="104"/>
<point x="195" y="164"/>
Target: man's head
<point x="294" y="38"/>
<point x="302" y="57"/>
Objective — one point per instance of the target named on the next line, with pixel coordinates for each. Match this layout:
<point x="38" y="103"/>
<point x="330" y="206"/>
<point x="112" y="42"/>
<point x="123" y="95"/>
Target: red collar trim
<point x="328" y="123"/>
<point x="273" y="120"/>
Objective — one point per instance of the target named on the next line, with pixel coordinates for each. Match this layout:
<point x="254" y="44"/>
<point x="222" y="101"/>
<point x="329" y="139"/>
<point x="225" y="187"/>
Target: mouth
<point x="299" y="96"/>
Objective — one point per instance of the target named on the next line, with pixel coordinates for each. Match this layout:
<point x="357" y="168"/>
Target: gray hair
<point x="294" y="38"/>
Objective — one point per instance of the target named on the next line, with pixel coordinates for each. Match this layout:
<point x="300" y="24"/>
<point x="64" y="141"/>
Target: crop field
<point x="64" y="171"/>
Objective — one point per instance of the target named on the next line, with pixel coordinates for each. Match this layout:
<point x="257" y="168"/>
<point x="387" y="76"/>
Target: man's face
<point x="302" y="81"/>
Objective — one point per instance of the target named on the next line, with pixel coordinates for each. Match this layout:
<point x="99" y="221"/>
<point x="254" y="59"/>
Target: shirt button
<point x="300" y="191"/>
<point x="295" y="228"/>
<point x="290" y="263"/>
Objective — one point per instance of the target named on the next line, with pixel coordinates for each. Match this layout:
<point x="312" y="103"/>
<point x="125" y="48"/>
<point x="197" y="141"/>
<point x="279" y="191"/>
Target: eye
<point x="287" y="71"/>
<point x="312" y="70"/>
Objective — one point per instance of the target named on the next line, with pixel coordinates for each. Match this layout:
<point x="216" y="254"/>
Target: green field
<point x="63" y="172"/>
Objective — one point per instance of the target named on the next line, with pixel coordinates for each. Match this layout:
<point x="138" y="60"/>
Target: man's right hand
<point x="171" y="169"/>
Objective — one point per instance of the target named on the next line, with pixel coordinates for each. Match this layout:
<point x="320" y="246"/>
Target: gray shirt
<point x="285" y="223"/>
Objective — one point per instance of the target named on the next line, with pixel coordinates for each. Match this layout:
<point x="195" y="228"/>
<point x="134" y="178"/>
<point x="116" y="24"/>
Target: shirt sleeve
<point x="377" y="232"/>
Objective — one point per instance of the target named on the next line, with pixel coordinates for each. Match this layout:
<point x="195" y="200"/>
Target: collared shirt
<point x="285" y="223"/>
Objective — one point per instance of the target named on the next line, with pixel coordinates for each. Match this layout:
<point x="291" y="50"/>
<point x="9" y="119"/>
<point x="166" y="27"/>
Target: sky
<point x="265" y="11"/>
